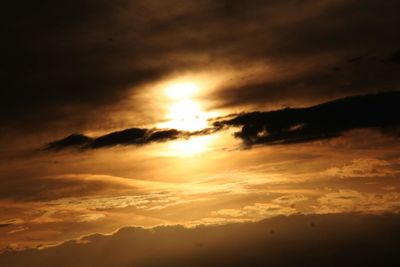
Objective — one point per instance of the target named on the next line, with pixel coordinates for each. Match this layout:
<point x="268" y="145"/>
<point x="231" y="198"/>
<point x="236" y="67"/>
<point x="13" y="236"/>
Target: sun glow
<point x="187" y="115"/>
<point x="185" y="112"/>
<point x="190" y="147"/>
<point x="181" y="90"/>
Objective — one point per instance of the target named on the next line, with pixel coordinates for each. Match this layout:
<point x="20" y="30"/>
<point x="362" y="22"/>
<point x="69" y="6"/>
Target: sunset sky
<point x="208" y="118"/>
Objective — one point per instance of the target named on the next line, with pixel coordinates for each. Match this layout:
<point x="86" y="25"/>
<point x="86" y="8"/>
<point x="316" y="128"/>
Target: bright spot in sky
<point x="187" y="115"/>
<point x="182" y="90"/>
<point x="190" y="147"/>
<point x="185" y="112"/>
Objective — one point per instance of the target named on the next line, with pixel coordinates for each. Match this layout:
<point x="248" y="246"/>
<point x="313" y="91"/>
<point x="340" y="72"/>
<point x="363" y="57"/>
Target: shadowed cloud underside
<point x="313" y="240"/>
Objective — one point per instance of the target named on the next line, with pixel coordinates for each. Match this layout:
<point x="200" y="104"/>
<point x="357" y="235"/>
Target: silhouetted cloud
<point x="132" y="136"/>
<point x="129" y="136"/>
<point x="327" y="120"/>
<point x="298" y="240"/>
<point x="285" y="126"/>
<point x="73" y="140"/>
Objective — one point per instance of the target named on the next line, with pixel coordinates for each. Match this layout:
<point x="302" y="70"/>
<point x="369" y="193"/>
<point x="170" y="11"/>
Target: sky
<point x="167" y="121"/>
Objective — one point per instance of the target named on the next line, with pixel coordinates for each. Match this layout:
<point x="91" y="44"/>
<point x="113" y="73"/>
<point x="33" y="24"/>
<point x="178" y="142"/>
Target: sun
<point x="186" y="115"/>
<point x="185" y="112"/>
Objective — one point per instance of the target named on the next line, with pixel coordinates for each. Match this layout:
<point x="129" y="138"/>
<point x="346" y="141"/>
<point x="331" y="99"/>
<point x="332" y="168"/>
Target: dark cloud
<point x="284" y="126"/>
<point x="300" y="240"/>
<point x="72" y="58"/>
<point x="166" y="135"/>
<point x="73" y="140"/>
<point x="132" y="136"/>
<point x="125" y="137"/>
<point x="65" y="61"/>
<point x="327" y="120"/>
<point x="308" y="52"/>
<point x="58" y="57"/>
<point x="313" y="82"/>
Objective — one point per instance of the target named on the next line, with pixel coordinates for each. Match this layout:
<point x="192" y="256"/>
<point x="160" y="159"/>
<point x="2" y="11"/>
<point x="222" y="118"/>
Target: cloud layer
<point x="65" y="62"/>
<point x="313" y="240"/>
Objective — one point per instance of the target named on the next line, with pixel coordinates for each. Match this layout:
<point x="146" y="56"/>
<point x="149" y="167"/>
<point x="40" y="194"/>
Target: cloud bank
<point x="298" y="240"/>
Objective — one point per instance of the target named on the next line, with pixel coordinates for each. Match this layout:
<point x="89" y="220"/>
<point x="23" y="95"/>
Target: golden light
<point x="186" y="115"/>
<point x="182" y="90"/>
<point x="190" y="147"/>
<point x="185" y="112"/>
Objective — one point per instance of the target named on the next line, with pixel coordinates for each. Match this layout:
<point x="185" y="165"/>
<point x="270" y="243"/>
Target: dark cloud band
<point x="285" y="126"/>
<point x="132" y="136"/>
<point x="330" y="119"/>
